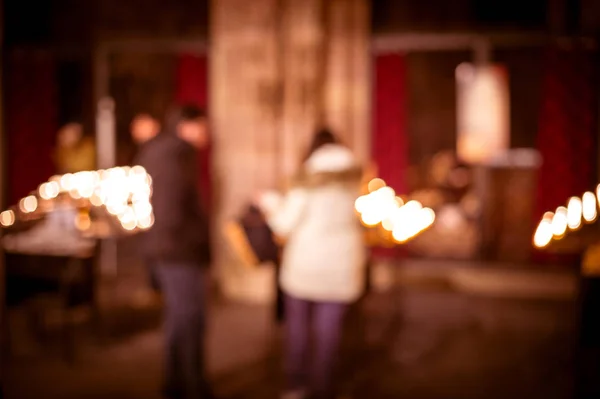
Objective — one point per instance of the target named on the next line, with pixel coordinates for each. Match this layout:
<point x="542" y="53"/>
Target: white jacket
<point x="324" y="255"/>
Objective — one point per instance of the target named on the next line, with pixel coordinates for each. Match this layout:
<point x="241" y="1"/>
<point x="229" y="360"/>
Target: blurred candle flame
<point x="7" y="218"/>
<point x="554" y="225"/>
<point x="125" y="193"/>
<point x="543" y="233"/>
<point x="559" y="222"/>
<point x="381" y="206"/>
<point x="28" y="204"/>
<point x="589" y="207"/>
<point x="574" y="213"/>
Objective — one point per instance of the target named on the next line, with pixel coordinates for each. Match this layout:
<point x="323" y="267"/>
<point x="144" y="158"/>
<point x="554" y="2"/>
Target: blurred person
<point x="144" y="127"/>
<point x="74" y="151"/>
<point x="323" y="262"/>
<point x="179" y="244"/>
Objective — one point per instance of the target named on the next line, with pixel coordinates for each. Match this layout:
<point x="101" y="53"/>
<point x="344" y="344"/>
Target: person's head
<point x="144" y="127"/>
<point x="322" y="137"/>
<point x="70" y="135"/>
<point x="189" y="123"/>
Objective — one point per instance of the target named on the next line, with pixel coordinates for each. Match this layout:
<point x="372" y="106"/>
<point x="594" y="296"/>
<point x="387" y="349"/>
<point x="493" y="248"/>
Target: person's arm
<point x="284" y="216"/>
<point x="169" y="186"/>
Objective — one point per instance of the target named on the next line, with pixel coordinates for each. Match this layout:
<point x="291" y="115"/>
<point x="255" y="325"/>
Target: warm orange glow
<point x="543" y="233"/>
<point x="7" y="218"/>
<point x="483" y="119"/>
<point x="49" y="190"/>
<point x="66" y="182"/>
<point x="559" y="222"/>
<point x="382" y="207"/>
<point x="145" y="222"/>
<point x="574" y="213"/>
<point x="124" y="191"/>
<point x="376" y="184"/>
<point x="589" y="207"/>
<point x="28" y="204"/>
<point x="83" y="222"/>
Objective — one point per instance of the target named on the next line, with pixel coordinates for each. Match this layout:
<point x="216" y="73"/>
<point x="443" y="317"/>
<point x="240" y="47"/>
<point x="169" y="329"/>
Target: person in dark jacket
<point x="144" y="127"/>
<point x="179" y="244"/>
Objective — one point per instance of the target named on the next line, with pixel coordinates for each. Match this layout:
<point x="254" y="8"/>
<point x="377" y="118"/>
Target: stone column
<point x="347" y="80"/>
<point x="244" y="81"/>
<point x="303" y="62"/>
<point x="279" y="69"/>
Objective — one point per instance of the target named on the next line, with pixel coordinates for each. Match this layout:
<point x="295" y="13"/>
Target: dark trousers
<point x="327" y="321"/>
<point x="184" y="289"/>
<point x="279" y="298"/>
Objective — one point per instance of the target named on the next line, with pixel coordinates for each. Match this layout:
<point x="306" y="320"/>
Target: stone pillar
<point x="279" y="69"/>
<point x="244" y="104"/>
<point x="302" y="46"/>
<point x="347" y="80"/>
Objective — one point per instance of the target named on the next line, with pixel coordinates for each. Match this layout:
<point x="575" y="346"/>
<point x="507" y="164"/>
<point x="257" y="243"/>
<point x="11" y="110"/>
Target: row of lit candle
<point x="381" y="207"/>
<point x="124" y="191"/>
<point x="579" y="211"/>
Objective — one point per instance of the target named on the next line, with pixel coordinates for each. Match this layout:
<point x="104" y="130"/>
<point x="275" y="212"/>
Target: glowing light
<point x="370" y="219"/>
<point x="388" y="224"/>
<point x="543" y="233"/>
<point x="387" y="193"/>
<point x="376" y="184"/>
<point x="83" y="222"/>
<point x="124" y="191"/>
<point x="361" y="203"/>
<point x="382" y="206"/>
<point x="410" y="220"/>
<point x="142" y="209"/>
<point x="66" y="182"/>
<point x="116" y="209"/>
<point x="7" y="218"/>
<point x="75" y="194"/>
<point x="138" y="171"/>
<point x="589" y="207"/>
<point x="574" y="213"/>
<point x="49" y="190"/>
<point x="428" y="217"/>
<point x="378" y="206"/>
<point x="559" y="221"/>
<point x="146" y="222"/>
<point x="28" y="204"/>
<point x="96" y="200"/>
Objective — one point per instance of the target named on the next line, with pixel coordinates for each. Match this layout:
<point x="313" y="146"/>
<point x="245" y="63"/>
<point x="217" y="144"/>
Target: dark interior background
<point x="145" y="82"/>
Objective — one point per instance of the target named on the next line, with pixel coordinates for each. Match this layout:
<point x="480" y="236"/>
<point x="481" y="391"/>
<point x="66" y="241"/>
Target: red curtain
<point x="192" y="87"/>
<point x="567" y="132"/>
<point x="31" y="120"/>
<point x="390" y="144"/>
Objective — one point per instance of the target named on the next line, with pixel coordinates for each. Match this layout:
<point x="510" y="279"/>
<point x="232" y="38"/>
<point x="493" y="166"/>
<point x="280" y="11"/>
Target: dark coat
<point x="181" y="228"/>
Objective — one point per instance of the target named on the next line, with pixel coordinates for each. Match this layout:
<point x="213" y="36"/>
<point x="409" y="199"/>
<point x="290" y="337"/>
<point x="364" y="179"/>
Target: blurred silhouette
<point x="323" y="261"/>
<point x="145" y="127"/>
<point x="251" y="237"/>
<point x="179" y="244"/>
<point x="74" y="152"/>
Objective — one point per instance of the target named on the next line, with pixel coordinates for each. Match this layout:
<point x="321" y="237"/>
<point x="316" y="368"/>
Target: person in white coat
<point x="323" y="263"/>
